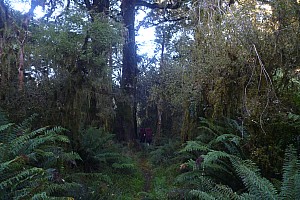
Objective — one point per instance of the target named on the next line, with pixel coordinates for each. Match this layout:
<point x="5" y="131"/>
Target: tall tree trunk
<point x="126" y="113"/>
<point x="159" y="105"/>
<point x="126" y="123"/>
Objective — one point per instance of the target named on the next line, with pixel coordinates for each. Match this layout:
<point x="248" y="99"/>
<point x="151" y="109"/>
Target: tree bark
<point x="159" y="105"/>
<point x="126" y="111"/>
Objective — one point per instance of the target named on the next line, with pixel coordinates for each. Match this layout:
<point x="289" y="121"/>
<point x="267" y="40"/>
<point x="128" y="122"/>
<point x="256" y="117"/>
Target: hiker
<point x="149" y="135"/>
<point x="142" y="135"/>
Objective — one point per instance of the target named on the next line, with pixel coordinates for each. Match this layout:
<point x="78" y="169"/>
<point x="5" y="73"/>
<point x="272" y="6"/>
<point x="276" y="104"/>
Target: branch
<point x="158" y="5"/>
<point x="164" y="20"/>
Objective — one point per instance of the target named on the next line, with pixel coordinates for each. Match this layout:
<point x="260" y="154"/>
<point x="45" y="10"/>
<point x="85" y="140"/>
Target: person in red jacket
<point x="149" y="135"/>
<point x="142" y="135"/>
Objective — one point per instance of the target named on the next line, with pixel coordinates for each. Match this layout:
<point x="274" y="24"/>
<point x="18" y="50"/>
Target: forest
<point x="90" y="112"/>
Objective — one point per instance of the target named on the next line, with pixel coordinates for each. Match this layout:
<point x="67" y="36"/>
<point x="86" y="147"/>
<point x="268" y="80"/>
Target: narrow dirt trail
<point x="147" y="172"/>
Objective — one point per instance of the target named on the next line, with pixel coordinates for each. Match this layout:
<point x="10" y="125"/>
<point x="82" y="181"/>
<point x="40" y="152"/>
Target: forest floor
<point x="155" y="180"/>
<point x="147" y="170"/>
<point x="145" y="166"/>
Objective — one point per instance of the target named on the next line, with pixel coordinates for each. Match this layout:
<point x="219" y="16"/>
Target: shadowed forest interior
<point x="212" y="113"/>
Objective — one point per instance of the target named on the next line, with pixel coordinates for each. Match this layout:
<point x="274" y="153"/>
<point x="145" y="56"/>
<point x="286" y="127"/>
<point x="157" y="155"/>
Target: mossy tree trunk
<point x="126" y="111"/>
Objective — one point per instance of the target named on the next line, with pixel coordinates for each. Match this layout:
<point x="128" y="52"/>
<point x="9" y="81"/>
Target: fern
<point x="5" y="126"/>
<point x="98" y="148"/>
<point x="70" y="156"/>
<point x="216" y="192"/>
<point x="25" y="175"/>
<point x="123" y="166"/>
<point x="97" y="177"/>
<point x="230" y="141"/>
<point x="24" y="170"/>
<point x="3" y="119"/>
<point x="43" y="195"/>
<point x="291" y="170"/>
<point x="166" y="153"/>
<point x="194" y="146"/>
<point x="228" y="137"/>
<point x="222" y="158"/>
<point x="5" y="135"/>
<point x="212" y="126"/>
<point x="26" y="124"/>
<point x="203" y="185"/>
<point x="257" y="186"/>
<point x="62" y="188"/>
<point x="202" y="195"/>
<point x="215" y="156"/>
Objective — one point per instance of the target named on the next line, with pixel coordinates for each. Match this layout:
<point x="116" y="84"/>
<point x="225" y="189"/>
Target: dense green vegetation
<point x="220" y="92"/>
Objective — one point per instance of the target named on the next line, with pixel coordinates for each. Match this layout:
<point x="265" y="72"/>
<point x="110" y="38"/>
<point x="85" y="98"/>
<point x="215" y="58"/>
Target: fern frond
<point x="204" y="128"/>
<point x="291" y="170"/>
<point x="99" y="177"/>
<point x="70" y="156"/>
<point x="43" y="196"/>
<point x="41" y="153"/>
<point x="26" y="124"/>
<point x="257" y="186"/>
<point x="5" y="135"/>
<point x="26" y="143"/>
<point x="212" y="126"/>
<point x="63" y="188"/>
<point x="206" y="186"/>
<point x="3" y="119"/>
<point x="26" y="173"/>
<point x="230" y="142"/>
<point x="5" y="126"/>
<point x="24" y="157"/>
<point x="201" y="195"/>
<point x="123" y="166"/>
<point x="106" y="156"/>
<point x="8" y="164"/>
<point x="225" y="192"/>
<point x="297" y="185"/>
<point x="228" y="137"/>
<point x="192" y="146"/>
<point x="19" y="142"/>
<point x="196" y="180"/>
<point x="191" y="177"/>
<point x="215" y="156"/>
